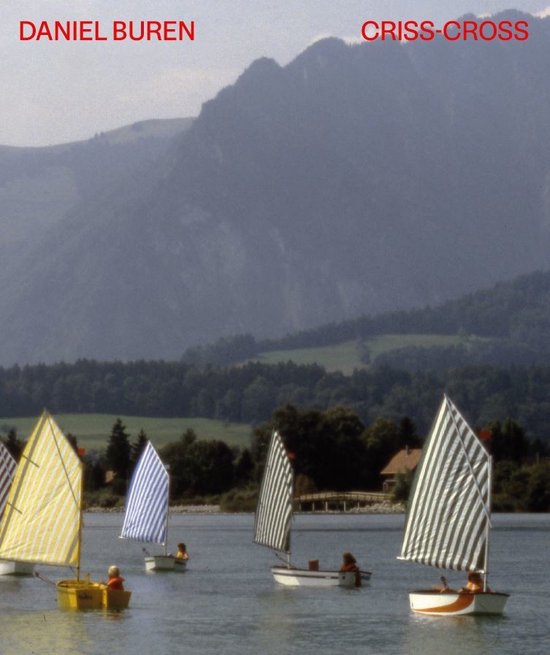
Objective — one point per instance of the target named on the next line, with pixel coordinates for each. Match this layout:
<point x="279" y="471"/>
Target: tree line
<point x="330" y="450"/>
<point x="251" y="393"/>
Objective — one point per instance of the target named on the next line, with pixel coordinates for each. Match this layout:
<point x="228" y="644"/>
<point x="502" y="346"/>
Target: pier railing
<point x="339" y="501"/>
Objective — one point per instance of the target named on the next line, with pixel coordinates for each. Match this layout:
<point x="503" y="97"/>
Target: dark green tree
<point x="136" y="448"/>
<point x="538" y="488"/>
<point x="118" y="451"/>
<point x="199" y="467"/>
<point x="244" y="468"/>
<point x="508" y="441"/>
<point x="14" y="445"/>
<point x="325" y="447"/>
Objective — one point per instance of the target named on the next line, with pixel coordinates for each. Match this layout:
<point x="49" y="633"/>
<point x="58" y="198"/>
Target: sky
<point x="58" y="92"/>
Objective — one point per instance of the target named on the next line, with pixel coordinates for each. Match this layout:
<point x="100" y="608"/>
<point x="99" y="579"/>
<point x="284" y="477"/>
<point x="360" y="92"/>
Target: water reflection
<point x="52" y="632"/>
<point x="458" y="635"/>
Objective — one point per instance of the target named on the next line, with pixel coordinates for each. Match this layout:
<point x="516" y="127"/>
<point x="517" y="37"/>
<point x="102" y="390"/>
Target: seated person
<point x="182" y="552"/>
<point x="349" y="563"/>
<point x="115" y="582"/>
<point x="474" y="584"/>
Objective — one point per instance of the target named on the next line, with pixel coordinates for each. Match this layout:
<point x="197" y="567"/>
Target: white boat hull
<point x="165" y="563"/>
<point x="454" y="603"/>
<point x="159" y="563"/>
<point x="16" y="568"/>
<point x="292" y="577"/>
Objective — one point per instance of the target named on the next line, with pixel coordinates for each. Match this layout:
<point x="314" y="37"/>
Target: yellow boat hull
<point x="85" y="595"/>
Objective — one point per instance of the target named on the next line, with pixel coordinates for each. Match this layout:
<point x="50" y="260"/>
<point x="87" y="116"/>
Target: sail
<point x="274" y="511"/>
<point x="41" y="523"/>
<point x="449" y="512"/>
<point x="7" y="469"/>
<point x="146" y="512"/>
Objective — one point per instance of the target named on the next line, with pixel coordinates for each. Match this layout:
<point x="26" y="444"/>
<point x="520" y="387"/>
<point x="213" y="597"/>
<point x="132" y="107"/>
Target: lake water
<point x="227" y="603"/>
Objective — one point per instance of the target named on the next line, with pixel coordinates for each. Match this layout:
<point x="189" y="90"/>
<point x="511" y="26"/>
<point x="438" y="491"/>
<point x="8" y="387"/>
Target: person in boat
<point x="114" y="582"/>
<point x="349" y="563"/>
<point x="474" y="584"/>
<point x="182" y="552"/>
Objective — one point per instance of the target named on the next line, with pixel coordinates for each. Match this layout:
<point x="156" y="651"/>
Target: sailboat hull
<point x="457" y="603"/>
<point x="159" y="563"/>
<point x="85" y="595"/>
<point x="16" y="568"/>
<point x="291" y="577"/>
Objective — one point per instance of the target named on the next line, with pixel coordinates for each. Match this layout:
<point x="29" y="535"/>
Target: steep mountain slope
<point x="40" y="186"/>
<point x="357" y="179"/>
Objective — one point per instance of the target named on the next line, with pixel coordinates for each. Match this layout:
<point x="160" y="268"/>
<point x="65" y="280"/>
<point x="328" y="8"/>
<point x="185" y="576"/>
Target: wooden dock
<point x="339" y="501"/>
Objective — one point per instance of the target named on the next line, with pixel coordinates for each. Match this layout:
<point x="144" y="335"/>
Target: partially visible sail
<point x="7" y="469"/>
<point x="41" y="523"/>
<point x="274" y="511"/>
<point x="146" y="512"/>
<point x="449" y="512"/>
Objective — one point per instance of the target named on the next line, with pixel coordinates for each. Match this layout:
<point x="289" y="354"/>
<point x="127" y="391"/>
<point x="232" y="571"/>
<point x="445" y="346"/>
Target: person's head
<point x="182" y="547"/>
<point x="348" y="558"/>
<point x="113" y="571"/>
<point x="474" y="576"/>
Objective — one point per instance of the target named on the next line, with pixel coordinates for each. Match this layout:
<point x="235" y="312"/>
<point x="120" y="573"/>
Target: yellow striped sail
<point x="41" y="523"/>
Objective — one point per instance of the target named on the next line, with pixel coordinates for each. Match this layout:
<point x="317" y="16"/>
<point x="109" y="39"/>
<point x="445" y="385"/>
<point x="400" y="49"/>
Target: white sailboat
<point x="146" y="512"/>
<point x="273" y="524"/>
<point x="7" y="471"/>
<point x="42" y="523"/>
<point x="449" y="517"/>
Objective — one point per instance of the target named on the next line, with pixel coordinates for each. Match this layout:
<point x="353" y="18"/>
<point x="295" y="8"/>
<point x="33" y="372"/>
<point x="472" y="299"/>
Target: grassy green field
<point x="342" y="357"/>
<point x="345" y="357"/>
<point x="92" y="430"/>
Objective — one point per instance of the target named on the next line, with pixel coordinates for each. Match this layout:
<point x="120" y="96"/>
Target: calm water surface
<point x="227" y="603"/>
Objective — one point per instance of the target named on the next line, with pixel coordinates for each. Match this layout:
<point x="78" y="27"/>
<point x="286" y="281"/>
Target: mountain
<point x="356" y="179"/>
<point x="40" y="186"/>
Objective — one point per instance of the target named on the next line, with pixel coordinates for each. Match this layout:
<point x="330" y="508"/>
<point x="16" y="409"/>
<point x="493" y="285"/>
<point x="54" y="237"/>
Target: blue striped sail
<point x="274" y="510"/>
<point x="448" y="516"/>
<point x="7" y="470"/>
<point x="146" y="512"/>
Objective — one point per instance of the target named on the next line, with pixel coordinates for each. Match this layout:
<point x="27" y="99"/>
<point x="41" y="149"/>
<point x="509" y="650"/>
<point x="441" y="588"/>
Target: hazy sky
<point x="53" y="92"/>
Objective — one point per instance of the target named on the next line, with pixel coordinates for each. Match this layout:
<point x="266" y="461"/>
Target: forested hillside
<point x="250" y="393"/>
<point x="513" y="319"/>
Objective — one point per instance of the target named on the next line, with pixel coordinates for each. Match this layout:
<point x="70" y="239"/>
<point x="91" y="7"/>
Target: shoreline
<point x="379" y="508"/>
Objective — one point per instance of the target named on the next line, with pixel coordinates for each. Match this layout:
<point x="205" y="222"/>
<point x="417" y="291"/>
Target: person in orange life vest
<point x="115" y="582"/>
<point x="474" y="584"/>
<point x="182" y="552"/>
<point x="349" y="563"/>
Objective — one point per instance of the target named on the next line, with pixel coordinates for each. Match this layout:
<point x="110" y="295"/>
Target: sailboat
<point x="146" y="512"/>
<point x="7" y="471"/>
<point x="449" y="517"/>
<point x="42" y="523"/>
<point x="273" y="524"/>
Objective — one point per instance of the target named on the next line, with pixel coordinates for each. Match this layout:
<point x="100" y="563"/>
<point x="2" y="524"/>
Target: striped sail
<point x="274" y="510"/>
<point x="7" y="469"/>
<point x="146" y="513"/>
<point x="41" y="523"/>
<point x="449" y="512"/>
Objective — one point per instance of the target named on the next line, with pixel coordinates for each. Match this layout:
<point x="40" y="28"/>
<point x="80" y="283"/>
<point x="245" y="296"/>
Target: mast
<point x="488" y="526"/>
<point x="167" y="467"/>
<point x="80" y="523"/>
